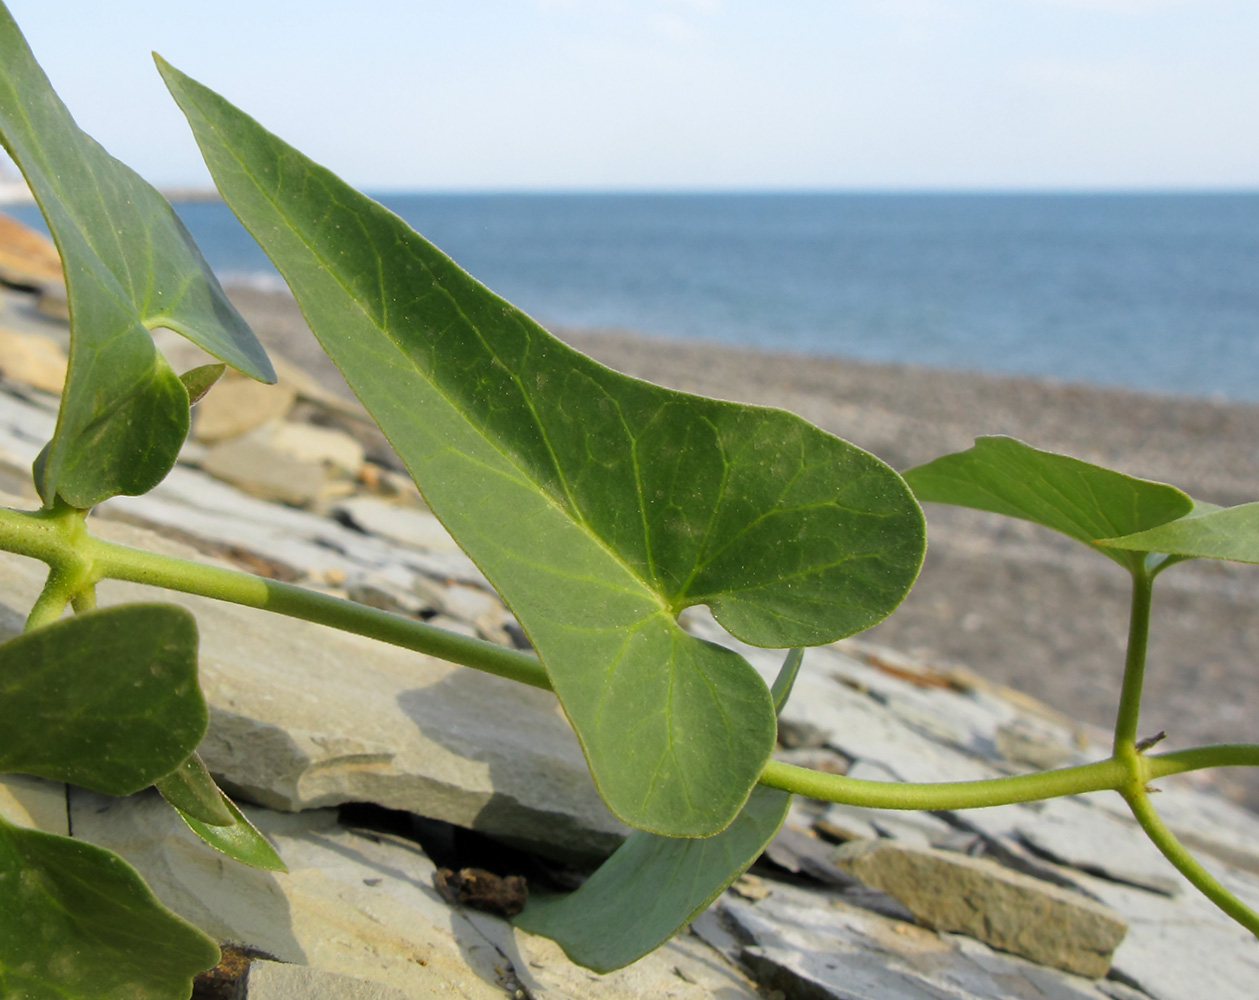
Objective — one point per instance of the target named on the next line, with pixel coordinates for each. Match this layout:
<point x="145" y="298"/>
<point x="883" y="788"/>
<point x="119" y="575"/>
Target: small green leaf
<point x="198" y="381"/>
<point x="191" y="790"/>
<point x="130" y="266"/>
<point x="1085" y="501"/>
<point x="78" y="923"/>
<point x="241" y="841"/>
<point x="107" y="699"/>
<point x="786" y="679"/>
<point x="600" y="506"/>
<point x="1212" y="533"/>
<point x="653" y="886"/>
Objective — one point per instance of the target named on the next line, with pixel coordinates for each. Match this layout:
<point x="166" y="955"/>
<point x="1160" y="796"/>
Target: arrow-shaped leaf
<point x="130" y="266"/>
<point x="78" y="923"/>
<point x="1085" y="501"/>
<point x="107" y="699"/>
<point x="600" y="506"/>
<point x="653" y="886"/>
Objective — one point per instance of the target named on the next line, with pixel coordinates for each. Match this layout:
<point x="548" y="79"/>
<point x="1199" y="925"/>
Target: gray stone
<point x="810" y="944"/>
<point x="389" y="597"/>
<point x="264" y="980"/>
<point x="1022" y="741"/>
<point x="1182" y="947"/>
<point x="1004" y="909"/>
<point x="363" y="905"/>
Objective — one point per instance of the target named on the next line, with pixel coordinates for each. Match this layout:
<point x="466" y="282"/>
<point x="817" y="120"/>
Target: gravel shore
<point x="1014" y="602"/>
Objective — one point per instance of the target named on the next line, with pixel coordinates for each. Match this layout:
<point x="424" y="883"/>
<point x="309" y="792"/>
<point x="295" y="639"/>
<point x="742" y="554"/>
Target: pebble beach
<point x="1011" y="601"/>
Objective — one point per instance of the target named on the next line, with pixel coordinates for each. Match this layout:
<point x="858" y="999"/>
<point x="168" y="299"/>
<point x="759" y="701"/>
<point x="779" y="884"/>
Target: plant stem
<point x="1103" y="775"/>
<point x="120" y="562"/>
<point x="1175" y="852"/>
<point x="1134" y="666"/>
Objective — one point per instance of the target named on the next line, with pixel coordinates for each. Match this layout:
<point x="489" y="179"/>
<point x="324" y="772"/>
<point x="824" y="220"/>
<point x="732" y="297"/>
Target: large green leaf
<point x="600" y="506"/>
<point x="78" y="923"/>
<point x="1085" y="501"/>
<point x="130" y="266"/>
<point x="653" y="886"/>
<point x="107" y="699"/>
<point x="1215" y="533"/>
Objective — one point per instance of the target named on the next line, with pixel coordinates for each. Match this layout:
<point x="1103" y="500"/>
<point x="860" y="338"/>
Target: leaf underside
<point x="107" y="699"/>
<point x="600" y="506"/>
<point x="78" y="923"/>
<point x="1229" y="533"/>
<point x="653" y="886"/>
<point x="241" y="840"/>
<point x="1084" y="501"/>
<point x="130" y="266"/>
<point x="193" y="792"/>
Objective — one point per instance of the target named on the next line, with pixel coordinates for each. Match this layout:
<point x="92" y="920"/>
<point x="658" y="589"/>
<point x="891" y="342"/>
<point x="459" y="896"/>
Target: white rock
<point x="236" y="404"/>
<point x="264" y="980"/>
<point x="253" y="464"/>
<point x="322" y="445"/>
<point x="409" y="525"/>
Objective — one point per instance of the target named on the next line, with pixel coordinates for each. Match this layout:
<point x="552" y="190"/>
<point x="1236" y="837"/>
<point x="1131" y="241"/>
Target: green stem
<point x="1174" y="851"/>
<point x="119" y="562"/>
<point x="51" y="602"/>
<point x="1199" y="758"/>
<point x="1103" y="775"/>
<point x="1134" y="666"/>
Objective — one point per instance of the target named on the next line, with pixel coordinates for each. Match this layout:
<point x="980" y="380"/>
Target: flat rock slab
<point x="265" y="980"/>
<point x="363" y="905"/>
<point x="1003" y="908"/>
<point x="809" y="944"/>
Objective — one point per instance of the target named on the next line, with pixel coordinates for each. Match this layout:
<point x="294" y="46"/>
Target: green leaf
<point x="1212" y="533"/>
<point x="599" y="506"/>
<point x="130" y="266"/>
<point x="107" y="699"/>
<point x="1085" y="501"/>
<point x="241" y="841"/>
<point x="653" y="886"/>
<point x="191" y="790"/>
<point x="78" y="923"/>
<point x="198" y="381"/>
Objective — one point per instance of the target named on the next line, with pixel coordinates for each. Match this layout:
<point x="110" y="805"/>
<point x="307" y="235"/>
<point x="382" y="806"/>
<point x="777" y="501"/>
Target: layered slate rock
<point x="363" y="905"/>
<point x="1011" y="912"/>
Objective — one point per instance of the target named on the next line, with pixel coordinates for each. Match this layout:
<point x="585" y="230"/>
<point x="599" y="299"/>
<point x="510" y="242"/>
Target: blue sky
<point x="685" y="94"/>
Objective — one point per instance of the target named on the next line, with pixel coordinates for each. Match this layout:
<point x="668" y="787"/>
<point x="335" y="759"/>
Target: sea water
<point x="1149" y="291"/>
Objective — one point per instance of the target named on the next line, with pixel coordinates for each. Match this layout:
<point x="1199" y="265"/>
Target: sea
<point x="1155" y="292"/>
